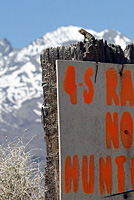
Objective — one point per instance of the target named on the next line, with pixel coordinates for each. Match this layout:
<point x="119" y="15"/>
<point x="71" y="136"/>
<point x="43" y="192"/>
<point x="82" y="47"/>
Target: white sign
<point x="95" y="130"/>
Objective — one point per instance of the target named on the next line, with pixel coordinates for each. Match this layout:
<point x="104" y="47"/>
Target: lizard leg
<point x="84" y="39"/>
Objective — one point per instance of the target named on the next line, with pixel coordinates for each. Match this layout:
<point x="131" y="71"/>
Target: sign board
<point x="95" y="130"/>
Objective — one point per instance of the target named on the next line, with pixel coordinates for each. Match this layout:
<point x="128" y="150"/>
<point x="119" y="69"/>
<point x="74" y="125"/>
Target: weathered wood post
<point x="79" y="51"/>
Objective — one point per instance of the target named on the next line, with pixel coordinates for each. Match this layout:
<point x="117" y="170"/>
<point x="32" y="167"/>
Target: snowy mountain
<point x="20" y="82"/>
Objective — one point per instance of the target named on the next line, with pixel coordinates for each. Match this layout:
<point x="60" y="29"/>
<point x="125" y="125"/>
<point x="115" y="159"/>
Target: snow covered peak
<point x="114" y="37"/>
<point x="20" y="69"/>
<point x="5" y="47"/>
<point x="64" y="35"/>
<point x="69" y="34"/>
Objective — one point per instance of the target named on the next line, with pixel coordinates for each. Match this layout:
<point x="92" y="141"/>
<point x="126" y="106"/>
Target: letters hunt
<point x="113" y="129"/>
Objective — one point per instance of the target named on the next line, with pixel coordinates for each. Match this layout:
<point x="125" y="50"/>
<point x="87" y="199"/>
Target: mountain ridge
<point x="68" y="33"/>
<point x="20" y="80"/>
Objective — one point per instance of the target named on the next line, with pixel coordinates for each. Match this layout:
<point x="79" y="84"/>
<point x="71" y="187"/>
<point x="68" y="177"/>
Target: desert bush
<point x="20" y="175"/>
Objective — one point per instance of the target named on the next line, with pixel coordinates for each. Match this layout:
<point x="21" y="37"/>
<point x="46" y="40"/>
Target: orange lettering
<point x="119" y="160"/>
<point x="71" y="173"/>
<point x="112" y="130"/>
<point x="88" y="96"/>
<point x="111" y="84"/>
<point x="69" y="84"/>
<point x="126" y="130"/>
<point x="127" y="93"/>
<point x="105" y="175"/>
<point x="88" y="186"/>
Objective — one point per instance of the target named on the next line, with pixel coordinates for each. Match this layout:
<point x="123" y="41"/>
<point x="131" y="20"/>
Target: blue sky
<point x="23" y="21"/>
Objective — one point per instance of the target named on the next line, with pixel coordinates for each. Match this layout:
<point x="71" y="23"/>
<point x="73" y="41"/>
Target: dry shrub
<point x="20" y="175"/>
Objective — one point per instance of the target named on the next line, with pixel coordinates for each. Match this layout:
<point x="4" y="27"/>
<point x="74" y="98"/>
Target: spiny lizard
<point x="93" y="43"/>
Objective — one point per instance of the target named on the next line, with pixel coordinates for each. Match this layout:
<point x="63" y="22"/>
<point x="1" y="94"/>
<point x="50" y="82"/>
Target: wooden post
<point x="79" y="51"/>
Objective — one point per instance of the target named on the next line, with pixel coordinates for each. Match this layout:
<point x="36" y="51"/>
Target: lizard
<point x="94" y="43"/>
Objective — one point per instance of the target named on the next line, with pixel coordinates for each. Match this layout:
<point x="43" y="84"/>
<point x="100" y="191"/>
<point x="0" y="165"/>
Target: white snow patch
<point x="38" y="120"/>
<point x="37" y="112"/>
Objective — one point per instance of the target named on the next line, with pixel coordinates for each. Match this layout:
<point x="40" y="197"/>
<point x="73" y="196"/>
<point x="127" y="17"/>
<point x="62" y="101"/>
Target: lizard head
<point x="82" y="31"/>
